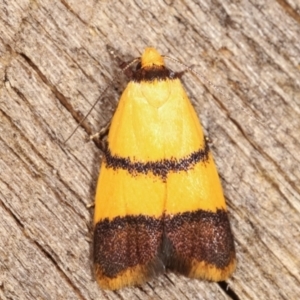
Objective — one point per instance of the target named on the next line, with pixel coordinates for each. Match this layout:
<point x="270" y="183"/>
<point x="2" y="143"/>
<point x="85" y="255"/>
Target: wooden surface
<point x="53" y="65"/>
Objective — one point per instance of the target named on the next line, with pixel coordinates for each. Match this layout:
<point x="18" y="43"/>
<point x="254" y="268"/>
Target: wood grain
<point x="53" y="66"/>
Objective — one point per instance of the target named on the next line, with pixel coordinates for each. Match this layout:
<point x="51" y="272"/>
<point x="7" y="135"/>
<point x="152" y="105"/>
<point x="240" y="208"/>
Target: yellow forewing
<point x="198" y="188"/>
<point x="151" y="128"/>
<point x="120" y="194"/>
<point x="169" y="128"/>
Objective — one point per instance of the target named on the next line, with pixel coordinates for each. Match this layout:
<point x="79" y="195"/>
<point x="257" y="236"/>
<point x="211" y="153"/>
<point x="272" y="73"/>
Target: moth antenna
<point x="123" y="69"/>
<point x="204" y="79"/>
<point x="197" y="74"/>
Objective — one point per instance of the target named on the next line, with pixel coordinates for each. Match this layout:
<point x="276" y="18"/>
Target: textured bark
<point x="53" y="66"/>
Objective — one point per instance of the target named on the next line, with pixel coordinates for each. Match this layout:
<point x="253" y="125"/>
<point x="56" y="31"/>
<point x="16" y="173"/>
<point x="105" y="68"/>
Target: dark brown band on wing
<point x="158" y="168"/>
<point x="169" y="242"/>
<point x="203" y="236"/>
<point x="150" y="74"/>
<point x="126" y="242"/>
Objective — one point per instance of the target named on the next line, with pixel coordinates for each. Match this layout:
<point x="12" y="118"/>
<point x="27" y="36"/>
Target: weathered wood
<point x="53" y="66"/>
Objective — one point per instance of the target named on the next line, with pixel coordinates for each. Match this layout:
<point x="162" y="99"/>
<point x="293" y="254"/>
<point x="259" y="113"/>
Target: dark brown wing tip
<point x="200" y="244"/>
<point x="127" y="251"/>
